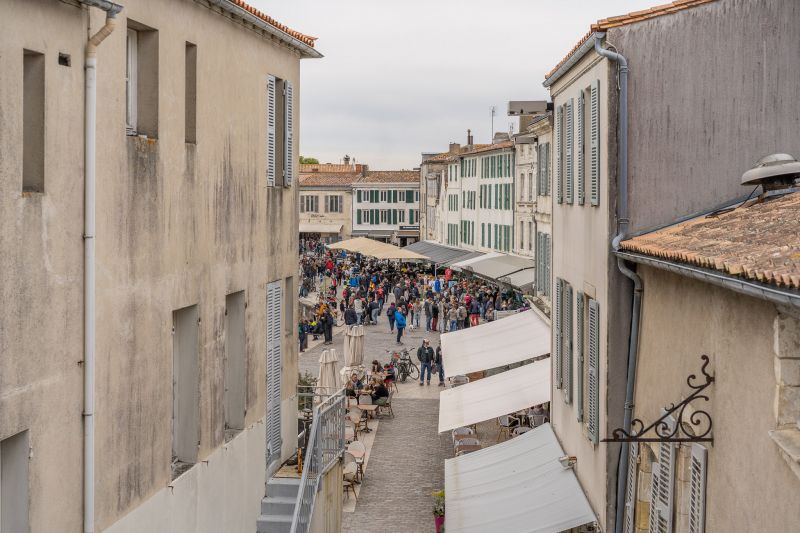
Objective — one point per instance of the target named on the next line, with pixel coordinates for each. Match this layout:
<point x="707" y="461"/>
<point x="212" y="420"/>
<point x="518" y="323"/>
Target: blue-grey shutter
<point x="288" y="160"/>
<point x="579" y="148"/>
<point x="569" y="150"/>
<point x="539" y="169"/>
<point x="630" y="489"/>
<point x="271" y="131"/>
<point x="547" y="167"/>
<point x="655" y="477"/>
<point x="594" y="146"/>
<point x="593" y="423"/>
<point x="274" y="333"/>
<point x="697" y="489"/>
<point x="558" y="336"/>
<point x="567" y="372"/>
<point x="559" y="149"/>
<point x="579" y="340"/>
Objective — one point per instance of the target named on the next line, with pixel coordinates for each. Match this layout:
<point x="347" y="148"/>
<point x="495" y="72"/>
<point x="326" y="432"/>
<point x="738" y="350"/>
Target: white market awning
<point x="308" y="227"/>
<point x="518" y="485"/>
<point x="502" y="342"/>
<point x="501" y="394"/>
<point x="466" y="262"/>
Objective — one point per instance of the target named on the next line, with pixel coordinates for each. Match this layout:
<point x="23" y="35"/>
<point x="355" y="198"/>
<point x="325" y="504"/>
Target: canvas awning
<point x="437" y="253"/>
<point x="518" y="485"/>
<point x="459" y="265"/>
<point x="501" y="394"/>
<point x="495" y="268"/>
<point x="522" y="280"/>
<point x="501" y="342"/>
<point x="309" y="227"/>
<point x="376" y="249"/>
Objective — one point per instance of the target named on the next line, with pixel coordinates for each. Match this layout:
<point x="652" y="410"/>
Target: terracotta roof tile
<point x="329" y="179"/>
<point x="630" y="18"/>
<point x="391" y="176"/>
<point x="307" y="39"/>
<point x="759" y="241"/>
<point x="330" y="167"/>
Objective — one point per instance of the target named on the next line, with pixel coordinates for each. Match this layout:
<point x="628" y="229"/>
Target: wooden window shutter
<point x="358" y="196"/>
<point x="629" y="525"/>
<point x="358" y="216"/>
<point x="579" y="340"/>
<point x="697" y="489"/>
<point x="593" y="422"/>
<point x="271" y="131"/>
<point x="547" y="168"/>
<point x="567" y="358"/>
<point x="274" y="333"/>
<point x="652" y="522"/>
<point x="662" y="500"/>
<point x="594" y="146"/>
<point x="559" y="148"/>
<point x="569" y="150"/>
<point x="288" y="160"/>
<point x="558" y="332"/>
<point x="580" y="167"/>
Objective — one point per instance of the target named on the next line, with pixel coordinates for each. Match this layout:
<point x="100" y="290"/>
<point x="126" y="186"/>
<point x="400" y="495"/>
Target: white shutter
<point x="548" y="263"/>
<point x="697" y="489"/>
<point x="569" y="149"/>
<point x="630" y="488"/>
<point x="270" y="131"/>
<point x="594" y="147"/>
<point x="274" y="329"/>
<point x="579" y="133"/>
<point x="579" y="343"/>
<point x="288" y="159"/>
<point x="558" y="332"/>
<point x="559" y="149"/>
<point x="652" y="523"/>
<point x="593" y="423"/>
<point x="547" y="168"/>
<point x="662" y="500"/>
<point x="567" y="358"/>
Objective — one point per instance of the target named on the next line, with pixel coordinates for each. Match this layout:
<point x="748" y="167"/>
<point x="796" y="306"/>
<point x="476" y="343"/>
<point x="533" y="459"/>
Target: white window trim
<point x="131" y="82"/>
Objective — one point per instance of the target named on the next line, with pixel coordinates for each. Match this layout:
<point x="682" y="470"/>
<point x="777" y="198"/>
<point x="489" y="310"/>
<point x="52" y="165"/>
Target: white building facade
<point x="386" y="206"/>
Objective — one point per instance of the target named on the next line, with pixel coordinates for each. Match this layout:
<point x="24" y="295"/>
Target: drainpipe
<point x="90" y="135"/>
<point x="622" y="231"/>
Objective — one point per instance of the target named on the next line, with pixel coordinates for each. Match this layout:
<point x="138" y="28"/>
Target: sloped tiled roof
<point x="391" y="176"/>
<point x="630" y="18"/>
<point x="759" y="241"/>
<point x="306" y="39"/>
<point x="329" y="167"/>
<point x="329" y="179"/>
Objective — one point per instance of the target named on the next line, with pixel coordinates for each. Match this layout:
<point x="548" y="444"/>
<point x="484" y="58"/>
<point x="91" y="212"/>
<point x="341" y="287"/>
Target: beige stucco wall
<point x="581" y="237"/>
<point x="344" y="218"/>
<point x="177" y="225"/>
<point x="327" y="517"/>
<point x="750" y="486"/>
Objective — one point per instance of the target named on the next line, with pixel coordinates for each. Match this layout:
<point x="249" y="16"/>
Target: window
<point x="186" y="388"/>
<point x="235" y="363"/>
<point x="566" y="338"/>
<point x="33" y="105"/>
<point x="280" y="131"/>
<point x="383" y="196"/>
<point x="530" y="186"/>
<point x="409" y="196"/>
<point x="14" y="483"/>
<point x="384" y="215"/>
<point x="522" y="235"/>
<point x="401" y="216"/>
<point x="363" y="216"/>
<point x="333" y="204"/>
<point x="274" y="360"/>
<point x="142" y="80"/>
<point x="530" y="236"/>
<point x="309" y="204"/>
<point x="522" y="186"/>
<point x="190" y="94"/>
<point x="358" y="196"/>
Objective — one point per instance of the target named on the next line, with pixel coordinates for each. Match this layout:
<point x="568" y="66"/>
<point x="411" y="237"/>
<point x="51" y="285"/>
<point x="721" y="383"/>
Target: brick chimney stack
<point x="469" y="137"/>
<point x="455" y="148"/>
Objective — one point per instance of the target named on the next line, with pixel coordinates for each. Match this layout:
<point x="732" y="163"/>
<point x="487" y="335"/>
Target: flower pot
<point x="439" y="521"/>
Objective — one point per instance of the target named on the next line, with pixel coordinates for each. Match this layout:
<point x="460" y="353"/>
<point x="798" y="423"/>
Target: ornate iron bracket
<point x="663" y="430"/>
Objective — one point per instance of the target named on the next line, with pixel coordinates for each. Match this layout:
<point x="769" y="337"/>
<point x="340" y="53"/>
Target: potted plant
<point x="438" y="510"/>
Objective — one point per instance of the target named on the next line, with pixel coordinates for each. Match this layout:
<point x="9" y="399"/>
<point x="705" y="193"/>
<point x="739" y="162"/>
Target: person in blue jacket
<point x="400" y="323"/>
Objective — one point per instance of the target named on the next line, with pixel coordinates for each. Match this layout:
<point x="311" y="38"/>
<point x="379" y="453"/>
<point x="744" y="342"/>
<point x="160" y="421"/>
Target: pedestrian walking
<point x="428" y="314"/>
<point x="434" y="316"/>
<point x="417" y="312"/>
<point x="439" y="365"/>
<point x="390" y="314"/>
<point x="453" y="317"/>
<point x="400" y="322"/>
<point x="425" y="355"/>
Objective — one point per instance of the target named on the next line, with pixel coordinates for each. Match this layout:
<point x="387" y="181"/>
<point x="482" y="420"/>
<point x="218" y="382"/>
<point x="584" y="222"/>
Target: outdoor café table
<point x="467" y="448"/>
<point x="370" y="410"/>
<point x="457" y="438"/>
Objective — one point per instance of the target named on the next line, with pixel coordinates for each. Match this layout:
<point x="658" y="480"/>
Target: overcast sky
<point x="402" y="77"/>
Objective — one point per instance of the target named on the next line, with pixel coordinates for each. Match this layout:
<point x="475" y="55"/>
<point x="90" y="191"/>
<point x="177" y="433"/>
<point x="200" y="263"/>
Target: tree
<point x="308" y="161"/>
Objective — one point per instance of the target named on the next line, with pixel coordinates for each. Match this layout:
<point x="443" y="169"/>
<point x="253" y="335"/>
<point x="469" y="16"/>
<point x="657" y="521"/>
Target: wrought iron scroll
<point x="663" y="430"/>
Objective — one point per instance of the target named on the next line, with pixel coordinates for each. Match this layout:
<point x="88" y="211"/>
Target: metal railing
<point x="325" y="447"/>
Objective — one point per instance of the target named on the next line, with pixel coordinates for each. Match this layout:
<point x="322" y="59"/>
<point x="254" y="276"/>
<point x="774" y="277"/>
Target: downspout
<point x="622" y="231"/>
<point x="90" y="135"/>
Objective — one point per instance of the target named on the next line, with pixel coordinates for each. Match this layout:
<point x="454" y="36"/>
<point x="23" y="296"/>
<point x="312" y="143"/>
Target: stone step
<point x="280" y="487"/>
<point x="274" y="524"/>
<point x="278" y="505"/>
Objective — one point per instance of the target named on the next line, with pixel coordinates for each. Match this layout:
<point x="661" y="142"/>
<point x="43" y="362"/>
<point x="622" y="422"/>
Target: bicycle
<point x="404" y="365"/>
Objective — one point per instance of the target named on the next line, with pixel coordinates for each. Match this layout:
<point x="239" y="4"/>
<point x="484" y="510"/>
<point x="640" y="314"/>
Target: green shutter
<point x="358" y="196"/>
<point x="358" y="216"/>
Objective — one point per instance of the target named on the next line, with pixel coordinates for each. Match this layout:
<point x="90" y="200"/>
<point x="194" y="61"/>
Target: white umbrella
<point x="328" y="379"/>
<point x="348" y="347"/>
<point x="356" y="346"/>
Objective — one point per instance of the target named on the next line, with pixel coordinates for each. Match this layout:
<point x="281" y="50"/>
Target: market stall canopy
<point x="438" y="253"/>
<point x="518" y="485"/>
<point x="376" y="249"/>
<point x="459" y="265"/>
<point x="307" y="227"/>
<point x="502" y="342"/>
<point x="495" y="268"/>
<point x="501" y="394"/>
<point x="523" y="279"/>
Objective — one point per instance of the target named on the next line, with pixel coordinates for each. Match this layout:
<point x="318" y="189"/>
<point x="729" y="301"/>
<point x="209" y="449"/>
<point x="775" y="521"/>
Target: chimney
<point x="364" y="170"/>
<point x="525" y="121"/>
<point x="346" y="159"/>
<point x="469" y="137"/>
<point x="455" y="148"/>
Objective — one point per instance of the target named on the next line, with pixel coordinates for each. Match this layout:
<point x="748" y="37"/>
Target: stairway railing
<point x="325" y="447"/>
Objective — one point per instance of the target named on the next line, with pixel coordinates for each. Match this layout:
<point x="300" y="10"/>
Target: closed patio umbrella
<point x="356" y="346"/>
<point x="328" y="379"/>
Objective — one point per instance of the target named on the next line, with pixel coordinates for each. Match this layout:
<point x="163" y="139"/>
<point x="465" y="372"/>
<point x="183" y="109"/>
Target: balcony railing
<point x="325" y="447"/>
